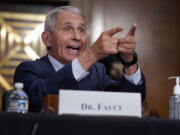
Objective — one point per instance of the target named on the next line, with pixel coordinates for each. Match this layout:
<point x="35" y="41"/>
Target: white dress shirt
<point x="79" y="73"/>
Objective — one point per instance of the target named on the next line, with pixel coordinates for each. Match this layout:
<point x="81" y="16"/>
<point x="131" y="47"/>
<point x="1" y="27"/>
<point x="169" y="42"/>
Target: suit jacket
<point x="40" y="78"/>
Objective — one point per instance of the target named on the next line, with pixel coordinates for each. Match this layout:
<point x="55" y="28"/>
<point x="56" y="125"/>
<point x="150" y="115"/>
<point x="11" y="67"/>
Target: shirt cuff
<point x="78" y="72"/>
<point x="134" y="78"/>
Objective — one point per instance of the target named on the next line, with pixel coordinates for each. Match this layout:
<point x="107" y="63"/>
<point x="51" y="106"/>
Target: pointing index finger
<point x="132" y="30"/>
<point x="113" y="31"/>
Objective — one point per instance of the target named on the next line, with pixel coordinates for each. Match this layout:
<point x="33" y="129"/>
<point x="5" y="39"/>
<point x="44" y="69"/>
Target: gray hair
<point x="51" y="17"/>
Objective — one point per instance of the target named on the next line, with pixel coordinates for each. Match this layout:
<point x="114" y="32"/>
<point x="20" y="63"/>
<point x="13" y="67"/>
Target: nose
<point x="76" y="35"/>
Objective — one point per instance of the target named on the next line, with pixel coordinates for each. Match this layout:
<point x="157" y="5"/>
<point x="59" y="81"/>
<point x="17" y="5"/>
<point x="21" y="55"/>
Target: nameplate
<point x="99" y="103"/>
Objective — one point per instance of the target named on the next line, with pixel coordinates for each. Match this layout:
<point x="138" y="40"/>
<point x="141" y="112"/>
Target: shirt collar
<point x="56" y="64"/>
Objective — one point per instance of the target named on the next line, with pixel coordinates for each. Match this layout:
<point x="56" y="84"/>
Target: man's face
<point x="68" y="40"/>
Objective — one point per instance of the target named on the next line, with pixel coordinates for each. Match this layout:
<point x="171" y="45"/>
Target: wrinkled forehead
<point x="67" y="17"/>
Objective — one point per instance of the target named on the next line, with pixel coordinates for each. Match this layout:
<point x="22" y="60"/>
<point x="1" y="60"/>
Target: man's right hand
<point x="106" y="44"/>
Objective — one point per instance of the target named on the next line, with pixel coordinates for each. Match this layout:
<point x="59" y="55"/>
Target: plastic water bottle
<point x="18" y="100"/>
<point x="174" y="104"/>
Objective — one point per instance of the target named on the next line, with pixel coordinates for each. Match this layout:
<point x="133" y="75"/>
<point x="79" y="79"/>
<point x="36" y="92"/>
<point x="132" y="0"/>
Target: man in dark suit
<point x="71" y="64"/>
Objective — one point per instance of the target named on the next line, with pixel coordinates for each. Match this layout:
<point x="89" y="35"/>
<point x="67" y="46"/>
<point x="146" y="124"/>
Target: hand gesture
<point x="127" y="45"/>
<point x="106" y="44"/>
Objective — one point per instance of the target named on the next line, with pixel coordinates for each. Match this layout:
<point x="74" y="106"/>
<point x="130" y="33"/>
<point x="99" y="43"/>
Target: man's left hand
<point x="127" y="45"/>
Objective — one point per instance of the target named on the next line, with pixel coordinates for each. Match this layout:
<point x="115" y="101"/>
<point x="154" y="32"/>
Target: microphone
<point x="36" y="124"/>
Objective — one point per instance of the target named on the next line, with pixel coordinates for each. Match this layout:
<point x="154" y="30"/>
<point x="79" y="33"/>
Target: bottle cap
<point x="176" y="89"/>
<point x="18" y="85"/>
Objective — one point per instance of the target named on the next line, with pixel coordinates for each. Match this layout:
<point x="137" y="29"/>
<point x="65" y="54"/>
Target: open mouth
<point x="74" y="50"/>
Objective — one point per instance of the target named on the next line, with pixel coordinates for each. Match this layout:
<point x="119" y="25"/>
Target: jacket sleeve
<point x="38" y="84"/>
<point x="122" y="85"/>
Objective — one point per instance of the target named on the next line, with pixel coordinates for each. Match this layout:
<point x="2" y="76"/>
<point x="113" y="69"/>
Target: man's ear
<point x="46" y="38"/>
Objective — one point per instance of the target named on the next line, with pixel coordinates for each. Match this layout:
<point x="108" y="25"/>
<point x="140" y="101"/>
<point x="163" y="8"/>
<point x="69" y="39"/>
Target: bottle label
<point x="18" y="106"/>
